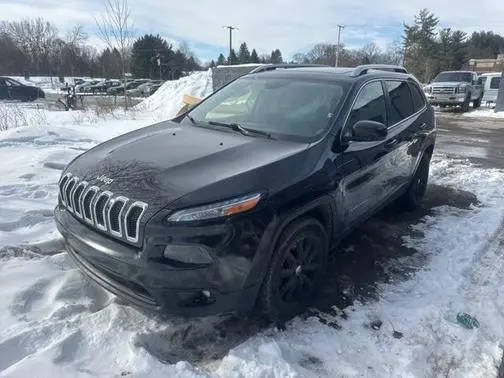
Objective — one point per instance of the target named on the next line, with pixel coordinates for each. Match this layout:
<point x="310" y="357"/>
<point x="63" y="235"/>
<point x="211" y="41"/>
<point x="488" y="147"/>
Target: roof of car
<point x="334" y="73"/>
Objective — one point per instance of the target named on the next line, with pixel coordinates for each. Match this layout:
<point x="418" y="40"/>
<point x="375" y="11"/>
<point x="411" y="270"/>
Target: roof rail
<point x="364" y="69"/>
<point x="271" y="67"/>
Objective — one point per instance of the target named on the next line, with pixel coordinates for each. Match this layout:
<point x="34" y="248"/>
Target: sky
<point x="291" y="25"/>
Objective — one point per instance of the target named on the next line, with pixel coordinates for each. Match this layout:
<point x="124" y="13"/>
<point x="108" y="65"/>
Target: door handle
<point x="391" y="143"/>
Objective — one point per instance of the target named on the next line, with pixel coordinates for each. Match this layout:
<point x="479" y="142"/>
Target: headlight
<point x="462" y="89"/>
<point x="217" y="210"/>
<point x="428" y="89"/>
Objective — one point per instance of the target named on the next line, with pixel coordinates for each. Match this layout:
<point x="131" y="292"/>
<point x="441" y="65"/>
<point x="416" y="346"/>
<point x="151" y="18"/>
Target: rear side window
<point x="418" y="99"/>
<point x="495" y="82"/>
<point x="370" y="105"/>
<point x="401" y="103"/>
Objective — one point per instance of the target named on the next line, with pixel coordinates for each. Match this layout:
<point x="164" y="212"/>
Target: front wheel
<point x="416" y="190"/>
<point x="296" y="271"/>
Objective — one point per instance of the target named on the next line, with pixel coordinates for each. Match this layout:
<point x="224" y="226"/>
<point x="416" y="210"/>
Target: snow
<point x="57" y="324"/>
<point x="167" y="100"/>
<point x="485" y="113"/>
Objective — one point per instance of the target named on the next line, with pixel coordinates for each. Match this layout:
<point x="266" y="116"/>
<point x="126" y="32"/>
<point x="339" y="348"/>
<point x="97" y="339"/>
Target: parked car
<point x="143" y="90"/>
<point x="103" y="86"/>
<point x="86" y="86"/>
<point x="490" y="83"/>
<point x="11" y="89"/>
<point x="153" y="88"/>
<point x="455" y="88"/>
<point x="237" y="202"/>
<point x="119" y="90"/>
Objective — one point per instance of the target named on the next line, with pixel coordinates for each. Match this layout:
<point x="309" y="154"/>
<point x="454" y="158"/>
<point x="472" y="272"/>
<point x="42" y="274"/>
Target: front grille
<point x="443" y="90"/>
<point x="101" y="209"/>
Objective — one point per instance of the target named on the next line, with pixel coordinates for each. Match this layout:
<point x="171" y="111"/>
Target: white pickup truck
<point x="452" y="88"/>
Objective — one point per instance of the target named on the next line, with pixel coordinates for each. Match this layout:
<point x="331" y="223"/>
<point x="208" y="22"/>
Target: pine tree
<point x="254" y="58"/>
<point x="221" y="60"/>
<point x="276" y="57"/>
<point x="144" y="56"/>
<point x="243" y="53"/>
<point x="420" y="46"/>
<point x="232" y="58"/>
<point x="212" y="64"/>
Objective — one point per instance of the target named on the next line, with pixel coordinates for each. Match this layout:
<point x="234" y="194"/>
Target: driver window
<point x="369" y="106"/>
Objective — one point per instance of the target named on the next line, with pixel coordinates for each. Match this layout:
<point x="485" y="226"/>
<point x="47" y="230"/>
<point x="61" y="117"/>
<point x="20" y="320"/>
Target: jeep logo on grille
<point x="106" y="180"/>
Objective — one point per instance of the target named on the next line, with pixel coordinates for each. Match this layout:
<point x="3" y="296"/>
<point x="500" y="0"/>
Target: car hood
<point x="167" y="161"/>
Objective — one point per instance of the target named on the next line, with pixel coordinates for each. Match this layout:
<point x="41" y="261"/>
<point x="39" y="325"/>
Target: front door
<point x="365" y="165"/>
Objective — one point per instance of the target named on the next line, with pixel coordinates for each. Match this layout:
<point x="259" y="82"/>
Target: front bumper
<point x="446" y="99"/>
<point x="138" y="275"/>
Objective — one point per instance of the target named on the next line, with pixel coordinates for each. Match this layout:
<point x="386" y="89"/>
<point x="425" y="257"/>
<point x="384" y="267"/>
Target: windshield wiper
<point x="237" y="127"/>
<point x="191" y="119"/>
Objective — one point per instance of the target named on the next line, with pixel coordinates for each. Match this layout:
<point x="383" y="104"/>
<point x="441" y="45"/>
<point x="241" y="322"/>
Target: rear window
<point x="401" y="103"/>
<point x="418" y="99"/>
<point x="495" y="82"/>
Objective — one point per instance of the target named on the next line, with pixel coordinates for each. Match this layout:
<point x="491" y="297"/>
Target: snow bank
<point x="486" y="113"/>
<point x="167" y="100"/>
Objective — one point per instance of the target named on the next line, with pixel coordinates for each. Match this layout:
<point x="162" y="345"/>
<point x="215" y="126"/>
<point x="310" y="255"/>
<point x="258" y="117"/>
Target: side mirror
<point x="368" y="131"/>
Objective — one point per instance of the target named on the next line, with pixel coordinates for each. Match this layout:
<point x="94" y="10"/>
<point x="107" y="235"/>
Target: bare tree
<point x="115" y="29"/>
<point x="34" y="37"/>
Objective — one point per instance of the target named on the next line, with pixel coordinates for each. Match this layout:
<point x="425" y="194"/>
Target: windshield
<point x="465" y="77"/>
<point x="281" y="106"/>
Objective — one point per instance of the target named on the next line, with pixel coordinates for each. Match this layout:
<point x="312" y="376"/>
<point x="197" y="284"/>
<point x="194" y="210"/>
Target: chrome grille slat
<point x="62" y="184"/>
<point x="76" y="197"/>
<point x="100" y="208"/>
<point x="116" y="219"/>
<point x="69" y="187"/>
<point x="88" y="208"/>
<point x="132" y="235"/>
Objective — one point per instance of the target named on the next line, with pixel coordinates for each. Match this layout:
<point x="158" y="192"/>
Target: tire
<point x="477" y="103"/>
<point x="416" y="190"/>
<point x="296" y="270"/>
<point x="442" y="106"/>
<point x="465" y="105"/>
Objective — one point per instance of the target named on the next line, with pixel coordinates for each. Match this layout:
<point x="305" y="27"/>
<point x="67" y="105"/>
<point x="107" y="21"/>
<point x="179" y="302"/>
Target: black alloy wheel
<point x="296" y="271"/>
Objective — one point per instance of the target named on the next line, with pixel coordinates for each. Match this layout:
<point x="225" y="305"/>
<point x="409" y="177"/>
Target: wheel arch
<point x="321" y="208"/>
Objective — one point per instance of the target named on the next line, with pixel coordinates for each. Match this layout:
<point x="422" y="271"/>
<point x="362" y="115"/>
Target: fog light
<point x="187" y="254"/>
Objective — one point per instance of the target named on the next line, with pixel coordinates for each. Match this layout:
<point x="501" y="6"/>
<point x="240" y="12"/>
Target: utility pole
<point x="338" y="46"/>
<point x="231" y="28"/>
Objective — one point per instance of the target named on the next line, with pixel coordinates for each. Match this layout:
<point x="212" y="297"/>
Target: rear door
<point x="405" y="119"/>
<point x="364" y="163"/>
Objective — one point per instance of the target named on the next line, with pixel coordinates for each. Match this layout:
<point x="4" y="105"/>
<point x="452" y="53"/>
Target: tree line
<point x="245" y="56"/>
<point x="36" y="47"/>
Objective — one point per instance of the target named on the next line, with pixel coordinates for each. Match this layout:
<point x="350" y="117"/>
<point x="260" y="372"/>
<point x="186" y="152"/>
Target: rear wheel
<point x="416" y="191"/>
<point x="296" y="271"/>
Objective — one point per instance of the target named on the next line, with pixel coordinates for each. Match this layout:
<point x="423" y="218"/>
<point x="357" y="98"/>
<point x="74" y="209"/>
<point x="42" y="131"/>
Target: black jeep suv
<point x="237" y="202"/>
